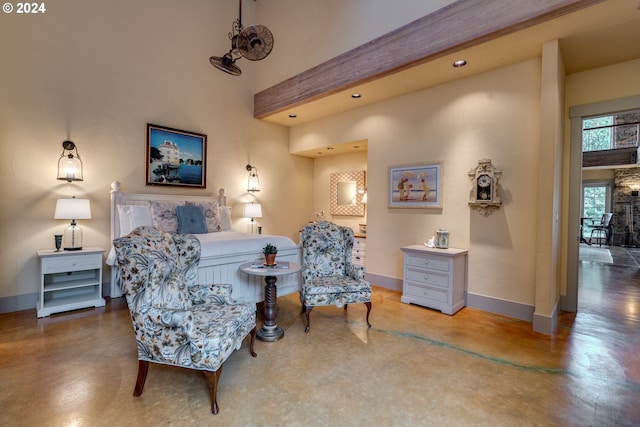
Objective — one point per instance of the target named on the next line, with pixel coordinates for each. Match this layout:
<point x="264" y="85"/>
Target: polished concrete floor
<point x="414" y="367"/>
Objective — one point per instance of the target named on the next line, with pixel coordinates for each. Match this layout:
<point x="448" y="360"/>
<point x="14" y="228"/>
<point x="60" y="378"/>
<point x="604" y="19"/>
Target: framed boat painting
<point x="176" y="157"/>
<point x="416" y="186"/>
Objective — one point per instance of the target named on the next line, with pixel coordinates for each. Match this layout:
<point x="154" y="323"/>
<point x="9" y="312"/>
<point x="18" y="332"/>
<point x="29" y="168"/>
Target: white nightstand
<point x="359" y="252"/>
<point x="435" y="278"/>
<point x="69" y="280"/>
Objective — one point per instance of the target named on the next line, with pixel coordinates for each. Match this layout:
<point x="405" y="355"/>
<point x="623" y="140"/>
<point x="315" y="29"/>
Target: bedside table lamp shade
<point x="252" y="210"/>
<point x="72" y="209"/>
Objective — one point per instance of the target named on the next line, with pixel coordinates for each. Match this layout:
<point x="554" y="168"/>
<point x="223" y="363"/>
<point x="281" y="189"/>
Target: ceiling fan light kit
<point x="254" y="43"/>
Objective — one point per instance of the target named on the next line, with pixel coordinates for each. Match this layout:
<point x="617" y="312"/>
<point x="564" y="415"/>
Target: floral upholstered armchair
<point x="177" y="321"/>
<point x="330" y="277"/>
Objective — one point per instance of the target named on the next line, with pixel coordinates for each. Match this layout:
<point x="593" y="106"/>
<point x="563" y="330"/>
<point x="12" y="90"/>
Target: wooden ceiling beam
<point x="457" y="26"/>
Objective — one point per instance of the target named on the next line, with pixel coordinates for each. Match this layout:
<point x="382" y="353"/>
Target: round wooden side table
<point x="270" y="331"/>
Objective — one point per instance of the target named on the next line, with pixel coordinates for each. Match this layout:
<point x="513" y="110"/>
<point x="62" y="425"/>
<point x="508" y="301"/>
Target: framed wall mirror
<point x="346" y="190"/>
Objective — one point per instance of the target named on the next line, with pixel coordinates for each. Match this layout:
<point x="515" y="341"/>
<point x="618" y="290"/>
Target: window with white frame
<point x="596" y="200"/>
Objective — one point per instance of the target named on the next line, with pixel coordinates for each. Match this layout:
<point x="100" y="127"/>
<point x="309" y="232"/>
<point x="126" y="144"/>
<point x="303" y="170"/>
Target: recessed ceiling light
<point x="356" y="95"/>
<point x="293" y="116"/>
<point x="459" y="63"/>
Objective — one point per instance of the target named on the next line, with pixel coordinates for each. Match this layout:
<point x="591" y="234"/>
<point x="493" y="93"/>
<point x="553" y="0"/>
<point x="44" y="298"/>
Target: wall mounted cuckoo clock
<point x="484" y="194"/>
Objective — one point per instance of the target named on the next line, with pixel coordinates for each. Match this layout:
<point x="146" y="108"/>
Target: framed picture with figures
<point x="416" y="186"/>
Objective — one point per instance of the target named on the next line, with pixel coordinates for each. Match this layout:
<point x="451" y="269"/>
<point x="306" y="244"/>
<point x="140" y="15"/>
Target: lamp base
<point x="72" y="238"/>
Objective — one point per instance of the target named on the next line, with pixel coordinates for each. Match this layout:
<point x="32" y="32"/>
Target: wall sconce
<point x="252" y="210"/>
<point x="363" y="195"/>
<point x="634" y="189"/>
<point x="253" y="183"/>
<point x="72" y="209"/>
<point x="69" y="165"/>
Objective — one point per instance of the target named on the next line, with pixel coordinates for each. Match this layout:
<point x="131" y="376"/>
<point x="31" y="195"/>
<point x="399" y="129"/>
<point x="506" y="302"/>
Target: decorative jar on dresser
<point x="435" y="278"/>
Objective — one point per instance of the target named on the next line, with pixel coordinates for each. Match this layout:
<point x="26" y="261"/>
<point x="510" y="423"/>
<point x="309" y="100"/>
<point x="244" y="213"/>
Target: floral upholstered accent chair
<point x="330" y="277"/>
<point x="176" y="320"/>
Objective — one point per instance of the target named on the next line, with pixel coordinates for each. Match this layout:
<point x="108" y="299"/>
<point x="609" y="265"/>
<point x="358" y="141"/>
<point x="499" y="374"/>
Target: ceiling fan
<point x="253" y="42"/>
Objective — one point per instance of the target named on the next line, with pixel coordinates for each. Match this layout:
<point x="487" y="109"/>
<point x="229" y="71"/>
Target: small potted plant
<point x="270" y="252"/>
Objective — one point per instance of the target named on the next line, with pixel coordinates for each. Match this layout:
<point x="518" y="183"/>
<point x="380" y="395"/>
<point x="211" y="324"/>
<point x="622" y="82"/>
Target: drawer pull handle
<point x="426" y="261"/>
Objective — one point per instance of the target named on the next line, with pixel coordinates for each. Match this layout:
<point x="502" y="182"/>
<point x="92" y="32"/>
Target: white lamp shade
<point x="252" y="210"/>
<point x="364" y="198"/>
<point x="72" y="209"/>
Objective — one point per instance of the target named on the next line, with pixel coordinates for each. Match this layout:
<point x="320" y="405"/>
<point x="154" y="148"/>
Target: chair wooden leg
<point x="143" y="368"/>
<point x="213" y="378"/>
<point x="368" y="304"/>
<point x="306" y="313"/>
<point x="253" y="340"/>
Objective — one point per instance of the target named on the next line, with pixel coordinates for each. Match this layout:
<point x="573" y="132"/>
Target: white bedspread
<point x="233" y="242"/>
<point x="230" y="243"/>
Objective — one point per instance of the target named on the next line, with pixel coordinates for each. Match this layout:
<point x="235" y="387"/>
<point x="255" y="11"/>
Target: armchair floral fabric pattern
<point x="330" y="277"/>
<point x="176" y="320"/>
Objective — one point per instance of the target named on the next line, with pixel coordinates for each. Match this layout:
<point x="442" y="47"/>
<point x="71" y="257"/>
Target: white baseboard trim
<point x="18" y="303"/>
<point x="384" y="281"/>
<point x="546" y="324"/>
<point x="500" y="306"/>
<point x="481" y="302"/>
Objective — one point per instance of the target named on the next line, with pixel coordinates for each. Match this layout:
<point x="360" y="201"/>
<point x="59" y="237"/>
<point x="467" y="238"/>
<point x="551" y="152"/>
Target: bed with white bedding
<point x="222" y="249"/>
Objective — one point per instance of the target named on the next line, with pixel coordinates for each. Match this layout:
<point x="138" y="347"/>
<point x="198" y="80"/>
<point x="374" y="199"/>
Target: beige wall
<point x="494" y="115"/>
<point x="597" y="175"/>
<point x="602" y="84"/>
<point x="96" y="72"/>
<point x="323" y="168"/>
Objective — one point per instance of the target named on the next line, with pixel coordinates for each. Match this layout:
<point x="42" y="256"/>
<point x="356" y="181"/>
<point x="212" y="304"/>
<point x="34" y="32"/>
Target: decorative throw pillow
<point x="191" y="220"/>
<point x="210" y="213"/>
<point x="164" y="215"/>
<point x="132" y="217"/>
<point x="225" y="217"/>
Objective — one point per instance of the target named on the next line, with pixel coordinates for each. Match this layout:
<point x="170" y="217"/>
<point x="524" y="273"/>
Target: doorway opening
<point x="585" y="196"/>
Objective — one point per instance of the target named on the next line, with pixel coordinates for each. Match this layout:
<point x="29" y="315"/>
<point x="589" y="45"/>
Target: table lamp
<point x="252" y="210"/>
<point x="72" y="209"/>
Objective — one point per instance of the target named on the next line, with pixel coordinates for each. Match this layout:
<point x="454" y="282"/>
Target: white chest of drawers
<point x="435" y="278"/>
<point x="69" y="280"/>
<point x="359" y="252"/>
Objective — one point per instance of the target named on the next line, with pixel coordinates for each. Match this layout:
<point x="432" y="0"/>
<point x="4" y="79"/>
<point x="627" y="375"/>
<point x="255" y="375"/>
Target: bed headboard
<point x="144" y="199"/>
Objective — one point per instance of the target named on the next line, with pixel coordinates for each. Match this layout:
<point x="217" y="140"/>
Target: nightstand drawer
<point x="358" y="258"/>
<point x="358" y="252"/>
<point x="359" y="244"/>
<point x="424" y="292"/>
<point x="432" y="263"/>
<point x="428" y="278"/>
<point x="71" y="263"/>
